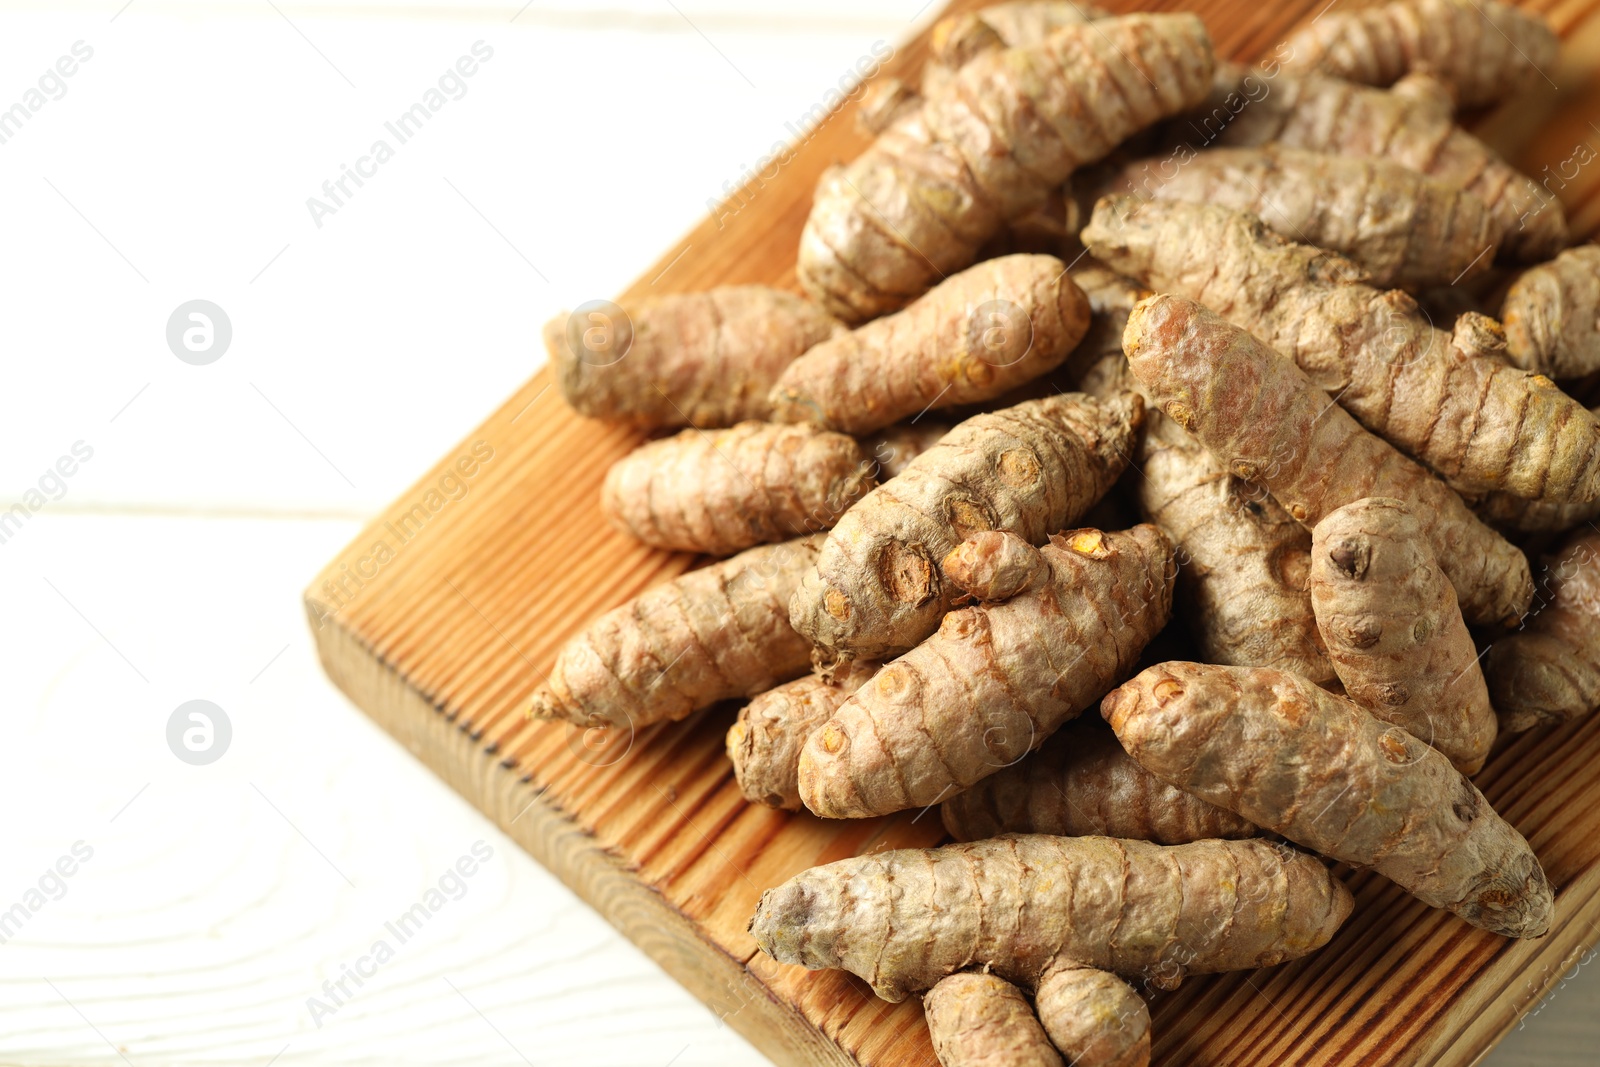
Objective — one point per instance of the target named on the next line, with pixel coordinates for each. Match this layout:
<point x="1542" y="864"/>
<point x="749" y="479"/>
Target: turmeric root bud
<point x="994" y="565"/>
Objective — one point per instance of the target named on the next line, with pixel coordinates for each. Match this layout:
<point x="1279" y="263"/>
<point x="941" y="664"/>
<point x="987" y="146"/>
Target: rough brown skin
<point x="1111" y="297"/>
<point x="894" y="447"/>
<point x="693" y="359"/>
<point x="1320" y="770"/>
<point x="1550" y="671"/>
<point x="721" y="491"/>
<point x="1050" y="229"/>
<point x="1442" y="399"/>
<point x="1244" y="559"/>
<point x="956" y="40"/>
<point x="713" y="634"/>
<point x="1506" y="512"/>
<point x="918" y="204"/>
<point x="1483" y="50"/>
<point x="1080" y="783"/>
<point x="1394" y="631"/>
<point x="1019" y="905"/>
<point x="1404" y="228"/>
<point x="980" y="1020"/>
<point x="1031" y="469"/>
<point x="1261" y="415"/>
<point x="1058" y="626"/>
<point x="974" y="336"/>
<point x="1094" y="1017"/>
<point x="764" y="744"/>
<point x="1409" y="124"/>
<point x="1552" y="315"/>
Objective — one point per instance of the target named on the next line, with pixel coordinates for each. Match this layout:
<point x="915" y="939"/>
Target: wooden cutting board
<point x="442" y="617"/>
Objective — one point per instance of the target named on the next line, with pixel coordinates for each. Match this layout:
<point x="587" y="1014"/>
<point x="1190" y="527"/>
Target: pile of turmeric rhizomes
<point x="1106" y="348"/>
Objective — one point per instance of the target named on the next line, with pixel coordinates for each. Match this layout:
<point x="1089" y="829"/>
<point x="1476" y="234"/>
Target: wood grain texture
<point x="443" y="616"/>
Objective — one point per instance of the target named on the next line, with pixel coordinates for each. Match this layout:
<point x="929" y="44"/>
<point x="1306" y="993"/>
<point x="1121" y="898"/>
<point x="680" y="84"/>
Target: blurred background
<point x="215" y="898"/>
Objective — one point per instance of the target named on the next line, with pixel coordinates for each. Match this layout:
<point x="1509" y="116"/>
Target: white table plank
<point x="179" y="165"/>
<point x="219" y="898"/>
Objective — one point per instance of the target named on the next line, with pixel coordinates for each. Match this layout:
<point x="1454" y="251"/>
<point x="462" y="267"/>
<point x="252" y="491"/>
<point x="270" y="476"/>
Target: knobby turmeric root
<point x="959" y="39"/>
<point x="764" y="744"/>
<point x="1324" y="773"/>
<point x="1111" y="297"/>
<point x="972" y="337"/>
<point x="1261" y="415"/>
<point x="1019" y="906"/>
<point x="691" y="359"/>
<point x="713" y="634"/>
<point x="1552" y="315"/>
<point x="1483" y="50"/>
<point x="1049" y="229"/>
<point x="954" y="42"/>
<point x="1506" y="512"/>
<point x="1435" y="396"/>
<point x="1244" y="560"/>
<point x="1081" y="783"/>
<point x="1394" y="631"/>
<point x="1550" y="671"/>
<point x="1409" y="124"/>
<point x="1094" y="1017"/>
<point x="1031" y="469"/>
<point x="721" y="491"/>
<point x="1056" y="628"/>
<point x="919" y="203"/>
<point x="1404" y="228"/>
<point x="977" y="1019"/>
<point x="1244" y="585"/>
<point x="981" y="1020"/>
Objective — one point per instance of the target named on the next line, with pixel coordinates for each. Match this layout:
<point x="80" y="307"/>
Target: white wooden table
<point x="213" y="911"/>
